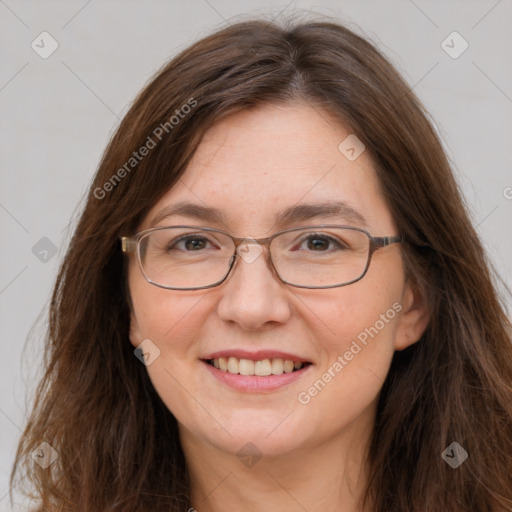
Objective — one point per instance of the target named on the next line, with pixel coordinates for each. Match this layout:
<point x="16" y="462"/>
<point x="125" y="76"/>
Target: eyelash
<point x="310" y="236"/>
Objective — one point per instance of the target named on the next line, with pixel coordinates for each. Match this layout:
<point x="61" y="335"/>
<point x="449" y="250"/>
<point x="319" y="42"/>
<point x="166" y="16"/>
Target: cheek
<point x="161" y="314"/>
<point x="170" y="320"/>
<point x="353" y="368"/>
<point x="361" y="321"/>
<point x="364" y="310"/>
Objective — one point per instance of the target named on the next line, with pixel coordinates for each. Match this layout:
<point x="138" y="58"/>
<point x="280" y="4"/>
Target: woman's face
<point x="251" y="167"/>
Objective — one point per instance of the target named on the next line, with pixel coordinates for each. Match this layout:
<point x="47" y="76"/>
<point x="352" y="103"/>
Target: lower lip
<point x="255" y="383"/>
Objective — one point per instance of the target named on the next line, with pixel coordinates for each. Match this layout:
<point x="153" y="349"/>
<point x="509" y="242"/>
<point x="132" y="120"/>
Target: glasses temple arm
<point x="128" y="244"/>
<point x="383" y="241"/>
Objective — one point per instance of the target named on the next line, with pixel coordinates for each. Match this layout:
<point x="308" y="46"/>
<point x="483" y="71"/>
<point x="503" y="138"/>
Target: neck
<point x="327" y="477"/>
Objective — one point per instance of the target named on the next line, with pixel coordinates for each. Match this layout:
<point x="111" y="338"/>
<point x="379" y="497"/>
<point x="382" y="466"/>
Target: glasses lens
<point x="321" y="257"/>
<point x="185" y="257"/>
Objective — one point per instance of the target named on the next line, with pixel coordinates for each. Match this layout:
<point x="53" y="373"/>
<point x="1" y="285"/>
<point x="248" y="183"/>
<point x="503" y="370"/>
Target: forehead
<point x="255" y="164"/>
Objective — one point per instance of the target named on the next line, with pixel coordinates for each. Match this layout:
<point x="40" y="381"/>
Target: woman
<point x="274" y="300"/>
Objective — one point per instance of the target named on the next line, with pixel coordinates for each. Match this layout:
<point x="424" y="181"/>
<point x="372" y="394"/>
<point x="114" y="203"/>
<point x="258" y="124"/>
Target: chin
<point x="247" y="432"/>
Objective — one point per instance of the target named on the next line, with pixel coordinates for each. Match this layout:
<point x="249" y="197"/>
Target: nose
<point x="253" y="295"/>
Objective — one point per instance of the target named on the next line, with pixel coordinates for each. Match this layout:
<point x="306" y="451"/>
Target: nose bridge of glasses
<point x="238" y="241"/>
<point x="250" y="249"/>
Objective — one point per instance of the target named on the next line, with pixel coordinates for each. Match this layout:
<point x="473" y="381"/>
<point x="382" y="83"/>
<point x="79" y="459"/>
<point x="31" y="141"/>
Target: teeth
<point x="263" y="368"/>
<point x="288" y="366"/>
<point x="233" y="365"/>
<point x="277" y="366"/>
<point x="260" y="368"/>
<point x="245" y="367"/>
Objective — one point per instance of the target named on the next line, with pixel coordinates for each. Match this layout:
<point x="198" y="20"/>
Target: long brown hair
<point x="118" y="444"/>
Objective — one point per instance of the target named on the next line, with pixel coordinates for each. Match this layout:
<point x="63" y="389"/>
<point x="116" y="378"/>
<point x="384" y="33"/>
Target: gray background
<point x="57" y="115"/>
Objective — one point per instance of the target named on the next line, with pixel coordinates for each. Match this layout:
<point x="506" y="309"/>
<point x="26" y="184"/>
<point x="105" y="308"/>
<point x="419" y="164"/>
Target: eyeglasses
<point x="192" y="257"/>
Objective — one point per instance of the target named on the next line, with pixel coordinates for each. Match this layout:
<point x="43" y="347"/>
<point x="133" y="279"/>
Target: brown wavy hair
<point x="118" y="444"/>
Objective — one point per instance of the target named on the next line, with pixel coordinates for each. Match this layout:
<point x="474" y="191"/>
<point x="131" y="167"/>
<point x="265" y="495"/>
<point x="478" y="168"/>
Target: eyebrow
<point x="296" y="213"/>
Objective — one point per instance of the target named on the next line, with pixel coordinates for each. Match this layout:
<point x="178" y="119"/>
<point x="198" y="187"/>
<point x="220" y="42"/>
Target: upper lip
<point x="255" y="356"/>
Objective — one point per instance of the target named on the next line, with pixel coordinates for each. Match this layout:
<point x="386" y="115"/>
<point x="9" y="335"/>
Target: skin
<point x="252" y="165"/>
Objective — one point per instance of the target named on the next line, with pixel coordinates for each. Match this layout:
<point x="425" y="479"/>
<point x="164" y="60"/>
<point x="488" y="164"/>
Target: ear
<point x="414" y="318"/>
<point x="135" y="334"/>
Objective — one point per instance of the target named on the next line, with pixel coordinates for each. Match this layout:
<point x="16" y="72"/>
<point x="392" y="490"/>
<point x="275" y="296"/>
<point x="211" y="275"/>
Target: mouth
<point x="258" y="368"/>
<point x="262" y="371"/>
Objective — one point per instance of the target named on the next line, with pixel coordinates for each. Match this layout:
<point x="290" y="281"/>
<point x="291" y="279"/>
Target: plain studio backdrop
<point x="70" y="70"/>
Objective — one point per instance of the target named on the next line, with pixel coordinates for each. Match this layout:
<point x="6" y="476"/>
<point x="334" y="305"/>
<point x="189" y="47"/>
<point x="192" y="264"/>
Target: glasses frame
<point x="132" y="244"/>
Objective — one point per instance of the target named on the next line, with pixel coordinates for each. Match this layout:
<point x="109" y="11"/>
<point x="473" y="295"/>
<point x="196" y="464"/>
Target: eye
<point x="320" y="242"/>
<point x="188" y="243"/>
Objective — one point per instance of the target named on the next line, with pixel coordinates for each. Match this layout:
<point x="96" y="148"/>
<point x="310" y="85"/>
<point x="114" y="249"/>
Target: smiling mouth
<point x="261" y="368"/>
